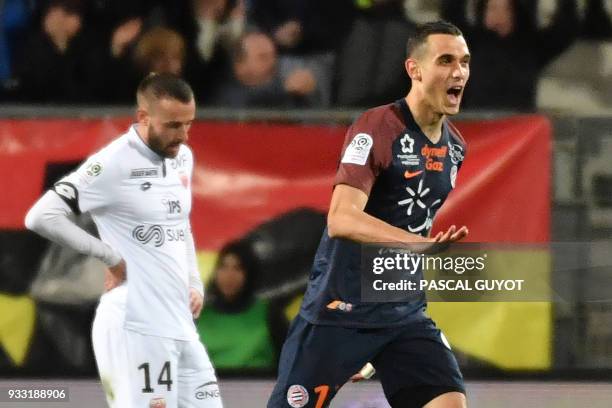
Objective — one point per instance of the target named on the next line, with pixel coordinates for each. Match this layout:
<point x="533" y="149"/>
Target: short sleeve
<point x="88" y="188"/>
<point x="365" y="153"/>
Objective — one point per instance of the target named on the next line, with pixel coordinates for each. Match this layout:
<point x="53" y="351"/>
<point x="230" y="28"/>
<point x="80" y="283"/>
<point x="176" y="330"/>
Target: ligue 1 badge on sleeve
<point x="94" y="169"/>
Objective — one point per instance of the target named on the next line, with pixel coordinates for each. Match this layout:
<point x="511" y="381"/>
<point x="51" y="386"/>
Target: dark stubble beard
<point x="156" y="144"/>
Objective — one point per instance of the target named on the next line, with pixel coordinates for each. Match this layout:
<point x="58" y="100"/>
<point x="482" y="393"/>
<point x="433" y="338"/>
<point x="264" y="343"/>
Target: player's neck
<point x="428" y="120"/>
<point x="142" y="133"/>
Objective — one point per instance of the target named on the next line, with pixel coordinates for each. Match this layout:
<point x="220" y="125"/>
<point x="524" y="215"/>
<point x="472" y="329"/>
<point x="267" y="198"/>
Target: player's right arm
<point x="366" y="151"/>
<point x="50" y="218"/>
<point x="347" y="219"/>
<point x="89" y="188"/>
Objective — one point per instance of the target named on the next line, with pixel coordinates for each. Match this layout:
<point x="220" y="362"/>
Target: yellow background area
<point x="509" y="335"/>
<point x="17" y="318"/>
<point x="206" y="263"/>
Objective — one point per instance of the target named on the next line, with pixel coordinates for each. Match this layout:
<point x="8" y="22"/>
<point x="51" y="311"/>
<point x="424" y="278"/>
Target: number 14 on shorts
<point x="164" y="378"/>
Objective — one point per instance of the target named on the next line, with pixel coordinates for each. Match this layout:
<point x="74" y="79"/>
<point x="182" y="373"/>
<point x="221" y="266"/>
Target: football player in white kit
<point x="138" y="191"/>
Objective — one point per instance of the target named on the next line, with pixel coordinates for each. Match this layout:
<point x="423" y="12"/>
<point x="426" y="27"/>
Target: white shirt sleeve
<point x="49" y="217"/>
<point x="195" y="280"/>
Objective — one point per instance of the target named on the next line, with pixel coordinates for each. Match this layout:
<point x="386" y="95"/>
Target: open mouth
<point x="454" y="94"/>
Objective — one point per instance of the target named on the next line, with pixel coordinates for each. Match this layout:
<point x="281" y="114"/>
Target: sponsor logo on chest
<point x="434" y="157"/>
<point x="144" y="173"/>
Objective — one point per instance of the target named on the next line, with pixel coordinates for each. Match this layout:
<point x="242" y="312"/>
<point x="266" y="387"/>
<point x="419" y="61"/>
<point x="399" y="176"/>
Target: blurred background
<point x="277" y="83"/>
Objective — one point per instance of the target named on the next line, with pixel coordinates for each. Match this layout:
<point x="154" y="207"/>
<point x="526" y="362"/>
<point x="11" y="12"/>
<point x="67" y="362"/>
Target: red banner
<point x="248" y="173"/>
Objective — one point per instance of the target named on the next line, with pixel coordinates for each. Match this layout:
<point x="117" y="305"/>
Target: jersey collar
<point x="411" y="124"/>
<point x="142" y="146"/>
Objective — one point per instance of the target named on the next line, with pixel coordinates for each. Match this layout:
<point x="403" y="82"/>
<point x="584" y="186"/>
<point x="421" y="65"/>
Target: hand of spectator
<point x="196" y="301"/>
<point x="114" y="276"/>
<point x="61" y="27"/>
<point x="239" y="11"/>
<point x="289" y="34"/>
<point x="125" y="34"/>
<point x="300" y="82"/>
<point x="210" y="9"/>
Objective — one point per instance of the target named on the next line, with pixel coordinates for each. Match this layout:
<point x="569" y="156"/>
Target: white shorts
<point x="143" y="371"/>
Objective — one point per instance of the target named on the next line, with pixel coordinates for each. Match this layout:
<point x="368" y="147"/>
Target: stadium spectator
<point x="597" y="23"/>
<point x="509" y="50"/>
<point x="114" y="21"/>
<point x="159" y="49"/>
<point x="368" y="73"/>
<point x="213" y="30"/>
<point x="52" y="65"/>
<point x="260" y="79"/>
<point x="240" y="331"/>
<point x="302" y="26"/>
<point x="220" y="25"/>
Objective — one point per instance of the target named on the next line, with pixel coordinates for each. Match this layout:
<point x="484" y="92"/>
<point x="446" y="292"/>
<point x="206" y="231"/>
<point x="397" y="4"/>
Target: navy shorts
<point x="317" y="360"/>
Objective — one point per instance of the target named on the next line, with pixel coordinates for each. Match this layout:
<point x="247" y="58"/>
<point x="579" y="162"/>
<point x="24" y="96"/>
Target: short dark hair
<point x="423" y="31"/>
<point x="69" y="6"/>
<point x="165" y="86"/>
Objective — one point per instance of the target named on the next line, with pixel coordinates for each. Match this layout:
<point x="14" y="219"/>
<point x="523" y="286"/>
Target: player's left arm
<point x="196" y="287"/>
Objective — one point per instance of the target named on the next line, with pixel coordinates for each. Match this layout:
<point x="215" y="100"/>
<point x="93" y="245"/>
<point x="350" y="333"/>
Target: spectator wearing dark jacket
<point x="509" y="50"/>
<point x="51" y="67"/>
<point x="260" y="79"/>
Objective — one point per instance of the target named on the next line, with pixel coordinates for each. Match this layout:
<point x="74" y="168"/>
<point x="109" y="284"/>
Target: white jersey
<point x="141" y="203"/>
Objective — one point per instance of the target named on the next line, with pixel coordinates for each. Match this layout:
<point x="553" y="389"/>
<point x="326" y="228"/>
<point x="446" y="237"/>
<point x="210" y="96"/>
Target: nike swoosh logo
<point x="410" y="175"/>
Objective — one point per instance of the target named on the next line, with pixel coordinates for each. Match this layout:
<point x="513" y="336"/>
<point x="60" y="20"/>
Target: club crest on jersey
<point x="455" y="152"/>
<point x="158" y="402"/>
<point x="297" y="396"/>
<point x="407" y="143"/>
<point x="184" y="179"/>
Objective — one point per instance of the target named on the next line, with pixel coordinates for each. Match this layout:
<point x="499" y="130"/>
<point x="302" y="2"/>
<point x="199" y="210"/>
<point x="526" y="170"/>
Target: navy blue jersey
<point x="407" y="179"/>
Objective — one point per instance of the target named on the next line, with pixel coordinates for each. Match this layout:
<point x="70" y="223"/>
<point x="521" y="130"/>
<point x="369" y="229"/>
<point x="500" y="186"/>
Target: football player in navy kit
<point x="398" y="164"/>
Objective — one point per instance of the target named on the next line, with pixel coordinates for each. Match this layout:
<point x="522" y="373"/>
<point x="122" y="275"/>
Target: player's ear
<point x="413" y="69"/>
<point x="142" y="116"/>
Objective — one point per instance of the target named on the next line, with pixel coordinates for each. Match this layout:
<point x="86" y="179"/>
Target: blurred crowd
<point x="278" y="53"/>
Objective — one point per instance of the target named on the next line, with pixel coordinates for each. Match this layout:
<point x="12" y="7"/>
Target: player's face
<point x="445" y="69"/>
<point x="169" y="124"/>
<point x="230" y="276"/>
